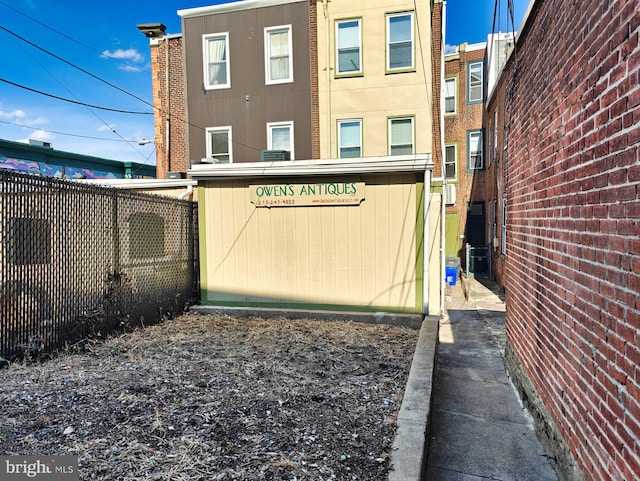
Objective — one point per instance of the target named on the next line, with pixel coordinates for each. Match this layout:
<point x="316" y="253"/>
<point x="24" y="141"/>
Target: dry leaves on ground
<point x="217" y="398"/>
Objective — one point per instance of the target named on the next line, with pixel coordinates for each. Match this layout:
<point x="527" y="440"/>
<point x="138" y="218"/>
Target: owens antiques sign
<point x="296" y="195"/>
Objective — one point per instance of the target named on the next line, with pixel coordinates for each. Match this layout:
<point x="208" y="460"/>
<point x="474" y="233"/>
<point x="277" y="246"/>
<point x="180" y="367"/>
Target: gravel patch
<point x="217" y="398"/>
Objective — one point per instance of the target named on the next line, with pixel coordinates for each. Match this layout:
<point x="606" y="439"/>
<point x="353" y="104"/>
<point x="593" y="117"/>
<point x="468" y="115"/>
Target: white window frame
<point x="205" y="60"/>
<point x="455" y="161"/>
<point x="340" y="146"/>
<point x="454" y="80"/>
<point x="495" y="136"/>
<point x="388" y="42"/>
<point x="478" y="83"/>
<point x="359" y="47"/>
<point x="390" y="132"/>
<point x="503" y="240"/>
<point x="225" y="128"/>
<point x="471" y="166"/>
<point x="267" y="54"/>
<point x="274" y="125"/>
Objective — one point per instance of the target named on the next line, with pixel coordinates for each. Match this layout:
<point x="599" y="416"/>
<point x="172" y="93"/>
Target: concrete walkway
<point x="479" y="430"/>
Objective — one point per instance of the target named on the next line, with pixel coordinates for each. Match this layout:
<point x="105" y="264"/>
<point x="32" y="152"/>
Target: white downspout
<point x="426" y="234"/>
<point x="325" y="7"/>
<point x="168" y="122"/>
<point x="443" y="250"/>
<point x="187" y="193"/>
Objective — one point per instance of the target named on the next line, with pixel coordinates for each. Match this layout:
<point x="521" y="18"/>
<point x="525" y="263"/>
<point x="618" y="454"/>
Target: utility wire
<point x="76" y="67"/>
<point x="62" y="34"/>
<point x="95" y="114"/>
<point x="73" y="101"/>
<point x="66" y="133"/>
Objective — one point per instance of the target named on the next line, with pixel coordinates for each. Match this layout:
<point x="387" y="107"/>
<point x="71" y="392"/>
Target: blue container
<point x="451" y="275"/>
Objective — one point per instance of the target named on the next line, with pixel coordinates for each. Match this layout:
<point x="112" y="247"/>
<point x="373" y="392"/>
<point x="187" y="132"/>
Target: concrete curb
<point x="413" y="321"/>
<point x="411" y="444"/>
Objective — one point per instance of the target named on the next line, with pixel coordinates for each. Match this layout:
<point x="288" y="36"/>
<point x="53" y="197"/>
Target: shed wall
<point x="366" y="257"/>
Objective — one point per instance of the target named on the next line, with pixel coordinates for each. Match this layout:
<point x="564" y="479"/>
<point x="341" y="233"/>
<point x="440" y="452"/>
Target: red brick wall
<point x="497" y="159"/>
<point x="171" y="153"/>
<point x="573" y="304"/>
<point x="436" y="75"/>
<point x="470" y="185"/>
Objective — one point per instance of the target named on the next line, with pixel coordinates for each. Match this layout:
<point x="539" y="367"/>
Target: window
<point x="278" y="58"/>
<point x="489" y="143"/>
<point x="503" y="243"/>
<point x="495" y="136"/>
<point x="474" y="82"/>
<point x="474" y="143"/>
<point x="146" y="235"/>
<point x="450" y="97"/>
<point x="216" y="61"/>
<point x="28" y="241"/>
<point x="400" y="41"/>
<point x="401" y="136"/>
<point x="349" y="138"/>
<point x="280" y="136"/>
<point x="219" y="144"/>
<point x="348" y="51"/>
<point x="451" y="162"/>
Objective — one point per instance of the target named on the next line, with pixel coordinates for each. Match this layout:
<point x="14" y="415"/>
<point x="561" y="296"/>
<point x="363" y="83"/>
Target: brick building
<point x="464" y="85"/>
<point x="566" y="181"/>
<point x="168" y="84"/>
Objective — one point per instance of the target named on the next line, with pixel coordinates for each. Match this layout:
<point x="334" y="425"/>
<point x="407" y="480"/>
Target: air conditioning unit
<point x="450" y="194"/>
<point x="274" y="155"/>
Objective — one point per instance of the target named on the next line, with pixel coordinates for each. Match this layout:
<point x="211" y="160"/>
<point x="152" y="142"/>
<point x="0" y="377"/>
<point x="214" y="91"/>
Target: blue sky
<point x="105" y="42"/>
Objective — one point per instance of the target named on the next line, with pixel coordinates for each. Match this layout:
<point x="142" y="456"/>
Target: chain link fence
<point x="79" y="262"/>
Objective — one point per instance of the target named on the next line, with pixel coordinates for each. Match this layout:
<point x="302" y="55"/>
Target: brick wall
<point x="436" y="75"/>
<point x="470" y="184"/>
<point x="171" y="152"/>
<point x="498" y="106"/>
<point x="573" y="304"/>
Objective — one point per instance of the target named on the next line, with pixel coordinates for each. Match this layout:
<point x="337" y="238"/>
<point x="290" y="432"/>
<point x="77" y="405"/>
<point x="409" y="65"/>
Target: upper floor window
<point x="450" y="95"/>
<point x="474" y="149"/>
<point x="495" y="136"/>
<point x="400" y="41"/>
<point x="219" y="144"/>
<point x="474" y="82"/>
<point x="451" y="162"/>
<point x="216" y="61"/>
<point x="280" y="136"/>
<point x="278" y="55"/>
<point x="401" y="136"/>
<point x="503" y="236"/>
<point x="348" y="47"/>
<point x="349" y="138"/>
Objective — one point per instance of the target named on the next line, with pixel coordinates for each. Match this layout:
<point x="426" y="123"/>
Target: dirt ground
<point x="217" y="398"/>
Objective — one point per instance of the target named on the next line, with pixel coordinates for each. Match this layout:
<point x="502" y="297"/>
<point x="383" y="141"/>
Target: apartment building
<point x="248" y="81"/>
<point x="465" y="159"/>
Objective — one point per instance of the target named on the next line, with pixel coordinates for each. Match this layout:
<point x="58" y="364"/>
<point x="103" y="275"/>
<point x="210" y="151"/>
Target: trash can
<point x="452" y="262"/>
<point x="451" y="275"/>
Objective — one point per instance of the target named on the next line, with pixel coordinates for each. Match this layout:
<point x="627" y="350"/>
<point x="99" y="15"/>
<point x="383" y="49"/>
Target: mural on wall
<point x="47" y="170"/>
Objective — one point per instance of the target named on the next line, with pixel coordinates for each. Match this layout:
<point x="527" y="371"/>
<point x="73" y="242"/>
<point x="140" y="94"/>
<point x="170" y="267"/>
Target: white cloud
<point x="16" y="114"/>
<point x="106" y="128"/>
<point x="20" y="117"/>
<point x="37" y="121"/>
<point x="448" y="49"/>
<point x="120" y="54"/>
<point x="39" y="135"/>
<point x="130" y="68"/>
